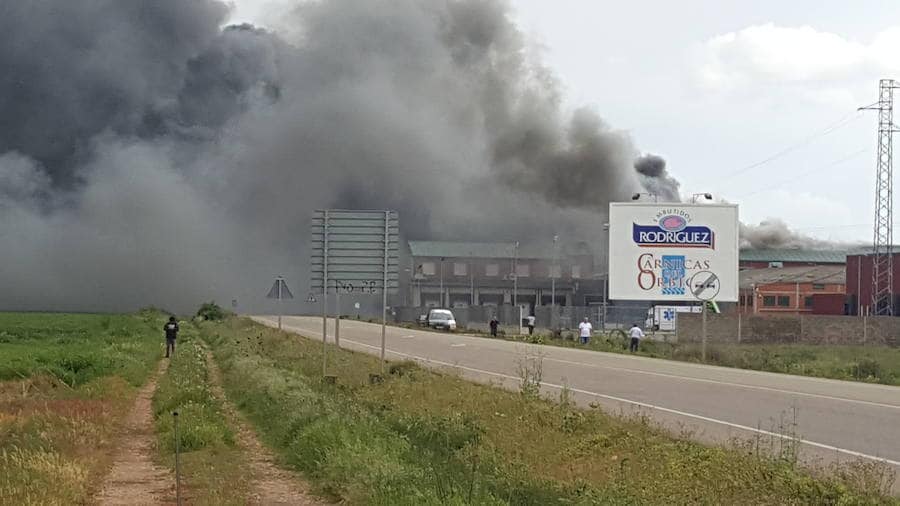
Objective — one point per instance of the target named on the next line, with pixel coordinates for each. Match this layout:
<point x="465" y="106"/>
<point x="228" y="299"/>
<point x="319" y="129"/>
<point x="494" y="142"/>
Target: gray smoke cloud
<point x="774" y="233"/>
<point x="150" y="156"/>
<point x="656" y="178"/>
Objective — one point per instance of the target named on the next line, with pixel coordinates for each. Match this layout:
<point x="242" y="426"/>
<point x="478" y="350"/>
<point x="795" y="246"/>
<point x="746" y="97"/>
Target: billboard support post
<point x="384" y="291"/>
<point x="357" y="250"/>
<point x="703" y="346"/>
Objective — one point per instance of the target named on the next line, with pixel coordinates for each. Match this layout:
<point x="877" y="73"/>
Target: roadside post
<point x="177" y="460"/>
<point x="705" y="286"/>
<point x="280" y="292"/>
<point x="354" y="252"/>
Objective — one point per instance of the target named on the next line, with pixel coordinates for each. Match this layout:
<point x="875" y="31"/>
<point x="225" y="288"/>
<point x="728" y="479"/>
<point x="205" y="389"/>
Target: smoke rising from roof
<point x="656" y="178"/>
<point x="773" y="233"/>
<point x="151" y="157"/>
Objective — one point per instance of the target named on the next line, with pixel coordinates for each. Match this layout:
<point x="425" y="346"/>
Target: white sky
<point x="715" y="86"/>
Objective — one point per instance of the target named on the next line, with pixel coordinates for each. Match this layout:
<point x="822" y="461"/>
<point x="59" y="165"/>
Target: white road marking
<point x="457" y="345"/>
<point x="728" y="383"/>
<point x="637" y="403"/>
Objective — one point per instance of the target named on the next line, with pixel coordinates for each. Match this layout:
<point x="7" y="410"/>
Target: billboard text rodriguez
<point x="656" y="249"/>
<point x="672" y="228"/>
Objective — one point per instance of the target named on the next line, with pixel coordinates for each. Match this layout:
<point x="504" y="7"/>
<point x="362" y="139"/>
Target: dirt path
<point x="134" y="478"/>
<point x="270" y="485"/>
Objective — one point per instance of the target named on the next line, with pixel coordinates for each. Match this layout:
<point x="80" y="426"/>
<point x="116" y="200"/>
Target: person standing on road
<point x="636" y="334"/>
<point x="171" y="328"/>
<point x="530" y="319"/>
<point x="585" y="329"/>
<point x="494" y="324"/>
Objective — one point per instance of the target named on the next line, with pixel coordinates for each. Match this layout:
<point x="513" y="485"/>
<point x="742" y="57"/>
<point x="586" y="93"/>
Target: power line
<point x="837" y="125"/>
<point x="808" y="172"/>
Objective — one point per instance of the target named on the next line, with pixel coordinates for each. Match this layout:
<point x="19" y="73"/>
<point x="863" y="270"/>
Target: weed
<point x="531" y="372"/>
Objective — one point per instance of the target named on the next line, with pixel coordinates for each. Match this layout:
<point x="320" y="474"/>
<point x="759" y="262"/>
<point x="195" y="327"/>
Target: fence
<point x="803" y="329"/>
<point x="565" y="317"/>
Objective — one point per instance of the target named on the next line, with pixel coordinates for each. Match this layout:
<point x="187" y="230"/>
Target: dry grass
<point x="59" y="420"/>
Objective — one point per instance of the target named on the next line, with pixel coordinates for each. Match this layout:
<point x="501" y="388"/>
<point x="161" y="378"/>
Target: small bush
<point x="211" y="311"/>
<point x="866" y="368"/>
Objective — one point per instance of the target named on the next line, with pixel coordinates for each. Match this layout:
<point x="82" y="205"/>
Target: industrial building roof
<point x="825" y="274"/>
<point x="453" y="249"/>
<point x="794" y="255"/>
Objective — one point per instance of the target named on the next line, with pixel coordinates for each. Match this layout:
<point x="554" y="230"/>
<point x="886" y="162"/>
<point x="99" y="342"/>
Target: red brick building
<point x="859" y="283"/>
<point x="818" y="289"/>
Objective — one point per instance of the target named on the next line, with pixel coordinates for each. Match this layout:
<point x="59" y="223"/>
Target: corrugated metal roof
<point x="813" y="274"/>
<point x="794" y="255"/>
<point x="453" y="249"/>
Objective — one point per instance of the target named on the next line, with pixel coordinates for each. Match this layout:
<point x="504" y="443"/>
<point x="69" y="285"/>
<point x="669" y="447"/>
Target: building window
<point x="492" y="270"/>
<point x="576" y="271"/>
<point x="459" y="269"/>
<point x="523" y="270"/>
<point x="807" y="302"/>
<point x="784" y="301"/>
<point x="428" y="268"/>
<point x="769" y="300"/>
<point x="818" y="286"/>
<point x="555" y="271"/>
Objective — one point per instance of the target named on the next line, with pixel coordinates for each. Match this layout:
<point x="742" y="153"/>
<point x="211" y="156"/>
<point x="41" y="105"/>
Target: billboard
<point x="673" y="252"/>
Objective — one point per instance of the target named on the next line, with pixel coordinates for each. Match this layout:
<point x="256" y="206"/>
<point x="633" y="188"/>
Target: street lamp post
<point x="516" y="276"/>
<point x="554" y="272"/>
<point x="606" y="274"/>
<point x="442" y="283"/>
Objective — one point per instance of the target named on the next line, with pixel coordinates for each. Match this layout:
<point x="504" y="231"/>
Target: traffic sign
<point x="705" y="285"/>
<point x="355" y="251"/>
<point x="279" y="290"/>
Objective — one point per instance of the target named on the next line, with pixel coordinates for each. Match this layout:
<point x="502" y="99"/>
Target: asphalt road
<point x="832" y="420"/>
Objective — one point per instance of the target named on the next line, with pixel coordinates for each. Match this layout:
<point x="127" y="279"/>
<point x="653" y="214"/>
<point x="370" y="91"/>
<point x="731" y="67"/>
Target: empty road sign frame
<point x="355" y="252"/>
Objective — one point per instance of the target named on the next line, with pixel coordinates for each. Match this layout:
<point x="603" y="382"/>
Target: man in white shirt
<point x="530" y="319"/>
<point x="636" y="334"/>
<point x="584" y="330"/>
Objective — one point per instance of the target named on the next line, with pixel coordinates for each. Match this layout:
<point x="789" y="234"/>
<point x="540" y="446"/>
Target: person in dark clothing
<point x="494" y="323"/>
<point x="171" y="328"/>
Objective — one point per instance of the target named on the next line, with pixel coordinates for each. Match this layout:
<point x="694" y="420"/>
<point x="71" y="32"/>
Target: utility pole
<point x="442" y="284"/>
<point x="882" y="258"/>
<point x="553" y="274"/>
<point x="516" y="276"/>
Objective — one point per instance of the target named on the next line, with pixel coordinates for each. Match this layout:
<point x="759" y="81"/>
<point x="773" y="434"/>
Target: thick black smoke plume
<point x="149" y="156"/>
<point x="656" y="178"/>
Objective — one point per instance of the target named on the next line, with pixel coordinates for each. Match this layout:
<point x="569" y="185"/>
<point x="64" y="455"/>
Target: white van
<point x="441" y="319"/>
<point x="662" y="318"/>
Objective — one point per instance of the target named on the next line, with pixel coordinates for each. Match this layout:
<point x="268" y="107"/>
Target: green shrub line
<point x="389" y="443"/>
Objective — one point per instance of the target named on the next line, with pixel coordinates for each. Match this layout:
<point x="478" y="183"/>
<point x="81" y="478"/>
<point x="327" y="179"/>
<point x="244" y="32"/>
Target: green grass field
<point x="421" y="437"/>
<point x="417" y="438"/>
<point x="66" y="380"/>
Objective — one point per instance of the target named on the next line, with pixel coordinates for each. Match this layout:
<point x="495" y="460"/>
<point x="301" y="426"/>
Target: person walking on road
<point x="530" y="319"/>
<point x="585" y="329"/>
<point x="636" y="334"/>
<point x="494" y="324"/>
<point x="171" y="328"/>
